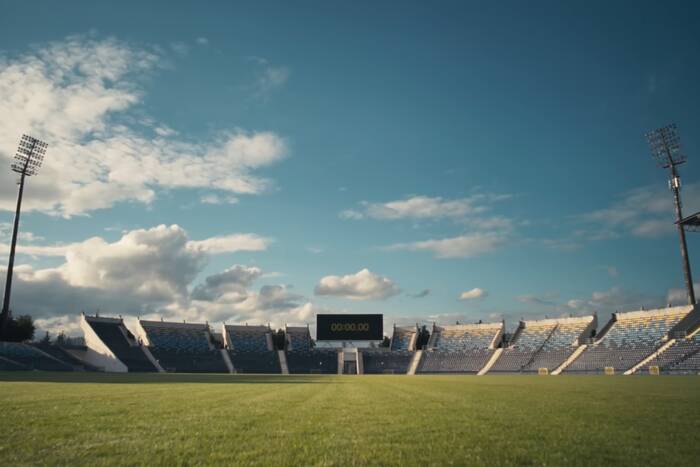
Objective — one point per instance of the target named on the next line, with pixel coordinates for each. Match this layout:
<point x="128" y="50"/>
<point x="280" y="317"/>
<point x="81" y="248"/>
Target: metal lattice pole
<point x="30" y="155"/>
<point x="666" y="149"/>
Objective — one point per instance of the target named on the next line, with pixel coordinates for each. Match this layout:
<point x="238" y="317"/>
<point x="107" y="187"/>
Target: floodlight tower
<point x="666" y="149"/>
<point x="30" y="155"/>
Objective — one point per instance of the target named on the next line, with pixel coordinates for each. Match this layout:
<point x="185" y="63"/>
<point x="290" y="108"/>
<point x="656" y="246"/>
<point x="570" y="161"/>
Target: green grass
<point x="93" y="419"/>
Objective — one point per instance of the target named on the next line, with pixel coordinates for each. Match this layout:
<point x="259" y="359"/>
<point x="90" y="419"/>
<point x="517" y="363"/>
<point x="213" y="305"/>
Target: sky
<point x="262" y="162"/>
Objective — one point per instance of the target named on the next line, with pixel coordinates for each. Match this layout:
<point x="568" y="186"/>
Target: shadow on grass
<point x="161" y="378"/>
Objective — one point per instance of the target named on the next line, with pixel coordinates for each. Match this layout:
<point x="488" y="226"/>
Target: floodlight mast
<point x="666" y="149"/>
<point x="28" y="160"/>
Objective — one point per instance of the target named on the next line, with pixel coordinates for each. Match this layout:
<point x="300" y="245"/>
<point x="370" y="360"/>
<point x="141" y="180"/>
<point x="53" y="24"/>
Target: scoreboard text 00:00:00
<point x="358" y="327"/>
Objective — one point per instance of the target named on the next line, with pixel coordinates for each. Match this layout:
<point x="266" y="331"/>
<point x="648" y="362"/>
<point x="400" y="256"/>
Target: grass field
<point x="339" y="420"/>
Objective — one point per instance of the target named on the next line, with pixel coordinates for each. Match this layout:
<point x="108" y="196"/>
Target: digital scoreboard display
<point x="349" y="327"/>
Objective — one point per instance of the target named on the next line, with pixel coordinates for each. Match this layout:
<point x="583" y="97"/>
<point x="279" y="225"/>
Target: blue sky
<point x="495" y="151"/>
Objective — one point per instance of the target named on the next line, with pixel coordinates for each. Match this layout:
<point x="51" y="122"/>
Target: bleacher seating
<point x="402" y="337"/>
<point x="247" y="338"/>
<point x="629" y="339"/>
<point x="9" y="365"/>
<point x="183" y="347"/>
<point x="62" y="354"/>
<point x="201" y="361"/>
<point x="312" y="361"/>
<point x="298" y="338"/>
<point x="678" y="355"/>
<point x="249" y="349"/>
<point x="379" y="362"/>
<point x="266" y="362"/>
<point x="29" y="358"/>
<point x="180" y="337"/>
<point x="463" y="337"/>
<point x="454" y="362"/>
<point x="542" y="344"/>
<point x="114" y="335"/>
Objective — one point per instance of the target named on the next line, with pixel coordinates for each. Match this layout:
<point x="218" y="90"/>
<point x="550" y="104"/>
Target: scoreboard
<point x="349" y="327"/>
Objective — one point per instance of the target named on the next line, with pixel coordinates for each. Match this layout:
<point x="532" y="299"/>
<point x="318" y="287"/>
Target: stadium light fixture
<point x="28" y="160"/>
<point x="665" y="147"/>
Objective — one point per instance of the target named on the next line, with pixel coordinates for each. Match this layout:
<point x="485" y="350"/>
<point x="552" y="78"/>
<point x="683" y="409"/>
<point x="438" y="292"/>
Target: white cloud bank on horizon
<point x="81" y="96"/>
<point x="151" y="273"/>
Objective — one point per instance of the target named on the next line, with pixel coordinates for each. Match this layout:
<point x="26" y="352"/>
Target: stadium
<point x="349" y="233"/>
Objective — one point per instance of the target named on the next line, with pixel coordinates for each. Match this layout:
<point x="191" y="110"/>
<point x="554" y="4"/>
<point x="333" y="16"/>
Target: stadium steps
<point x="283" y="362"/>
<point x="490" y="363"/>
<point x="227" y="361"/>
<point x="569" y="360"/>
<point x="413" y="367"/>
<point x="652" y="356"/>
<point x="150" y="356"/>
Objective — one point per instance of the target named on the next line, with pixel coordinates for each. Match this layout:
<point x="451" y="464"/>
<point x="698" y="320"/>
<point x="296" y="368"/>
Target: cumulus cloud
<point x="144" y="269"/>
<point x="463" y="246"/>
<point x="230" y="285"/>
<point x="81" y="95"/>
<point x="473" y="294"/>
<point x="363" y="285"/>
<point x="152" y="273"/>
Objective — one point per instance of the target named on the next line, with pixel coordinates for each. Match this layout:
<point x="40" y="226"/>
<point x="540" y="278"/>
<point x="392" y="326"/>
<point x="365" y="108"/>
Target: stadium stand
<point x="682" y="357"/>
<point x="316" y="361"/>
<point x="461" y="337"/>
<point x="303" y="358"/>
<point x="298" y="338"/>
<point x="628" y="339"/>
<point x="182" y="347"/>
<point x="62" y="354"/>
<point x="114" y="335"/>
<point x="462" y="348"/>
<point x="376" y="361"/>
<point x="251" y="349"/>
<point x="445" y="362"/>
<point x="404" y="338"/>
<point x="543" y="344"/>
<point x="30" y="358"/>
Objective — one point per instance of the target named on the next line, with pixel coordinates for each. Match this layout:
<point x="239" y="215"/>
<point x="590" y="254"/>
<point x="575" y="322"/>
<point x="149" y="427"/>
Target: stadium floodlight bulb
<point x="29" y="156"/>
<point x="665" y="145"/>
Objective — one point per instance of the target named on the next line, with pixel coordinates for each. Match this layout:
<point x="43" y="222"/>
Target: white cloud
<point x="548" y="299"/>
<point x="425" y="207"/>
<point x="473" y="294"/>
<point x="231" y="243"/>
<point x="150" y="272"/>
<point x="363" y="285"/>
<point x="643" y="212"/>
<point x="216" y="199"/>
<point x="202" y="41"/>
<point x="81" y="95"/>
<point x="680" y="296"/>
<point x="463" y="246"/>
<point x="270" y="79"/>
